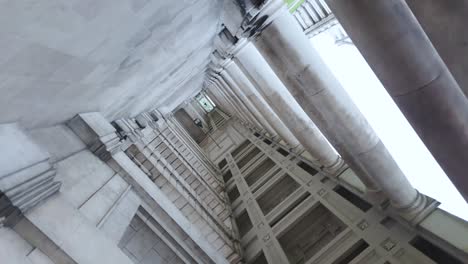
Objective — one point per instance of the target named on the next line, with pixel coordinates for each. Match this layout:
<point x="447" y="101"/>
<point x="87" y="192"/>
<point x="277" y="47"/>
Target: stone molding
<point x="27" y="177"/>
<point x="101" y="138"/>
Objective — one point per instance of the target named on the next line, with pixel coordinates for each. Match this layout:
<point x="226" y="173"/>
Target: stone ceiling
<point x="121" y="57"/>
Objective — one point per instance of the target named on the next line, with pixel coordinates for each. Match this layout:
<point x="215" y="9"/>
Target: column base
<point x="276" y="138"/>
<point x="298" y="149"/>
<point x="421" y="207"/>
<point x="336" y="168"/>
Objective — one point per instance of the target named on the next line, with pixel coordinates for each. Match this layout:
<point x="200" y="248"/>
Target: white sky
<point x="398" y="136"/>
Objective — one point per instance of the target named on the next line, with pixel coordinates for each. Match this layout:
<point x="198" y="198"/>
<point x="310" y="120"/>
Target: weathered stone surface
<point x="26" y="175"/>
<point x="119" y="57"/>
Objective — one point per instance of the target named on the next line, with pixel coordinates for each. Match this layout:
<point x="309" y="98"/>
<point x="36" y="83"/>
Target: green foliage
<point x="293" y="4"/>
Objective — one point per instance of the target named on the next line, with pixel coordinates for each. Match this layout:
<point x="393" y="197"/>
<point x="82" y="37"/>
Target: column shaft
<point x="218" y="102"/>
<point x="245" y="88"/>
<point x="219" y="96"/>
<point x="234" y="104"/>
<point x="403" y="58"/>
<point x="287" y="108"/>
<point x="257" y="119"/>
<point x="445" y="24"/>
<point x="235" y="90"/>
<point x="299" y="66"/>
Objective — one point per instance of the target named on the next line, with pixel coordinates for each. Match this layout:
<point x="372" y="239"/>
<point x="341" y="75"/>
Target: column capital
<point x="214" y="67"/>
<point x="257" y="18"/>
<point x="97" y="133"/>
<point x="131" y="128"/>
<point x="228" y="45"/>
<point x="219" y="61"/>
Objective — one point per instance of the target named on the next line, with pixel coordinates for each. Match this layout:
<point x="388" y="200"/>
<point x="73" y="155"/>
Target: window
<point x="307" y="168"/>
<point x="353" y="198"/>
<point x="433" y="252"/>
<point x="227" y="176"/>
<point x="222" y="163"/>
<point x="240" y="148"/>
<point x="243" y="223"/>
<point x="277" y="193"/>
<point x="233" y="194"/>
<point x="290" y="208"/>
<point x="310" y="233"/>
<point x="351" y="253"/>
<point x="259" y="171"/>
<point x="282" y="152"/>
<point x="205" y="102"/>
<point x="247" y="158"/>
<point x="260" y="259"/>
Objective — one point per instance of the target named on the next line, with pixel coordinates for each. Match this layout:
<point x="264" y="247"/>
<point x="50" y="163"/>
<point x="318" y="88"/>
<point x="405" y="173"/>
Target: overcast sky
<point x="384" y="116"/>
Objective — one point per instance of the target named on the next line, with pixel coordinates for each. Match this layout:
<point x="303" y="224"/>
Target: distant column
<point x="254" y="100"/>
<point x="243" y="115"/>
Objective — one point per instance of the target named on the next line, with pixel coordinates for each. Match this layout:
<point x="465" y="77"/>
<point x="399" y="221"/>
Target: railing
<point x="314" y="16"/>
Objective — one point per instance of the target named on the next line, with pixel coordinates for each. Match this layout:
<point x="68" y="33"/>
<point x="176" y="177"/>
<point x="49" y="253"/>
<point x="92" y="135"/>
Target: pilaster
<point x="100" y="136"/>
<point x="27" y="176"/>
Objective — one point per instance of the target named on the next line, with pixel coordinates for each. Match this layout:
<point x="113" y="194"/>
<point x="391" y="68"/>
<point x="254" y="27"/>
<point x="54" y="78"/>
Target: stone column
<point x="217" y="101"/>
<point x="290" y="54"/>
<point x="248" y="116"/>
<point x="248" y="119"/>
<point x="262" y="123"/>
<point x="225" y="112"/>
<point x="220" y="112"/>
<point x="445" y="24"/>
<point x="248" y="93"/>
<point x="243" y="115"/>
<point x="398" y="50"/>
<point x="220" y="89"/>
<point x="231" y="87"/>
<point x="225" y="104"/>
<point x="287" y="108"/>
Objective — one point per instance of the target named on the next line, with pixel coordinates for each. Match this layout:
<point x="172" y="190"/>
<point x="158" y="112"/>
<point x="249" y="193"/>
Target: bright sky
<point x="384" y="116"/>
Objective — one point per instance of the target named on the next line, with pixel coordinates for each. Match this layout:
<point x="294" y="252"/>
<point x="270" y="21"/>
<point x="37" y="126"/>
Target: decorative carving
<point x="363" y="225"/>
<point x="388" y="244"/>
<point x="321" y="192"/>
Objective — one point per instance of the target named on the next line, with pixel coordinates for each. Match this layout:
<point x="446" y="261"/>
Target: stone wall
<point x="143" y="246"/>
<point x="18" y="251"/>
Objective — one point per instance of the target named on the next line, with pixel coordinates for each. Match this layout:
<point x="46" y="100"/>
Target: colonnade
<point x="398" y="50"/>
<point x="268" y="74"/>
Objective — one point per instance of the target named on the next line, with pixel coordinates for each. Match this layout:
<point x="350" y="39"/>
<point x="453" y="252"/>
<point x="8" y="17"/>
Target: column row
<point x="269" y="75"/>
